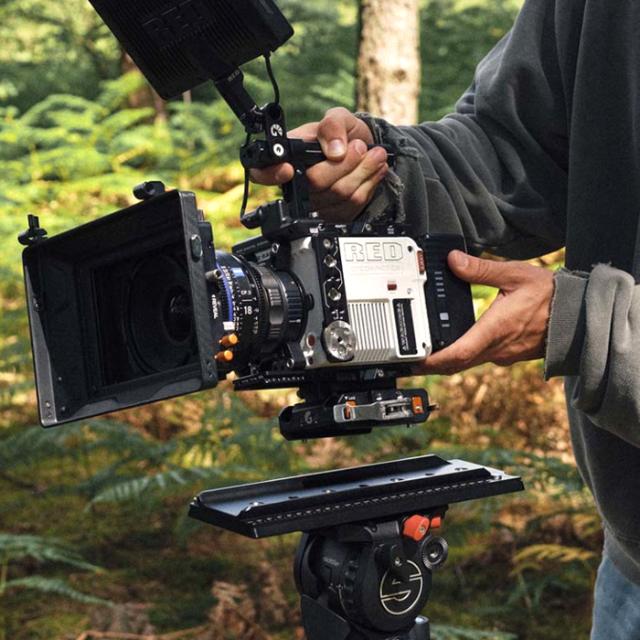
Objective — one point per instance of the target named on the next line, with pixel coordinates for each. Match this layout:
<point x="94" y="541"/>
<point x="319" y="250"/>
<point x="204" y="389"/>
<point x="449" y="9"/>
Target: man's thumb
<point x="478" y="271"/>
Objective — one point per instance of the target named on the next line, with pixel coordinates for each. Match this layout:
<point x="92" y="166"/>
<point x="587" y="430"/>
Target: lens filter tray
<point x="321" y="500"/>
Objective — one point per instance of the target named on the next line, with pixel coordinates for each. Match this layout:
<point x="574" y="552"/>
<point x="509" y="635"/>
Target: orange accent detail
<point x="416" y="404"/>
<point x="422" y="265"/>
<point x="347" y="409"/>
<point x="230" y="340"/>
<point x="225" y="356"/>
<point x="436" y="522"/>
<point x="416" y="528"/>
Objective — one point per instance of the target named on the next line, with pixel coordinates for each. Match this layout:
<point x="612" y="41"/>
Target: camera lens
<point x="265" y="306"/>
<point x="160" y="318"/>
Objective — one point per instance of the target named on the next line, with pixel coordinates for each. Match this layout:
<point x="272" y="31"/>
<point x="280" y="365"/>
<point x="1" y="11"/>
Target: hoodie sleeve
<point x="594" y="334"/>
<point x="496" y="169"/>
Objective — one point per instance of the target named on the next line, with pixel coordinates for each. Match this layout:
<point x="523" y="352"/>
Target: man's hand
<point x="342" y="186"/>
<point x="513" y="329"/>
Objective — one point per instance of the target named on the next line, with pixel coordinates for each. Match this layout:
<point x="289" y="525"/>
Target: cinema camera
<point x="138" y="306"/>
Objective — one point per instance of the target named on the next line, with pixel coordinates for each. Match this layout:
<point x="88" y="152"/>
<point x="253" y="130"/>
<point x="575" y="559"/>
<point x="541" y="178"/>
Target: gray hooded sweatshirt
<point x="543" y="152"/>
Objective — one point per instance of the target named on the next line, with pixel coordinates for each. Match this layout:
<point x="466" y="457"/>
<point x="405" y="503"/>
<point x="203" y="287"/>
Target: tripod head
<point x="364" y="564"/>
<point x="370" y="581"/>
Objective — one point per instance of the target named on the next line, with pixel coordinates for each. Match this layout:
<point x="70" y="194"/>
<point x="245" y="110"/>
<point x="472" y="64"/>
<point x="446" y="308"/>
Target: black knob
<point x="148" y="190"/>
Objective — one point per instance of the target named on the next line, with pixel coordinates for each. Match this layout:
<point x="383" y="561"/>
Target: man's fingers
<point x="337" y="128"/>
<point x="272" y="176"/>
<point x="349" y="189"/>
<point x="468" y="351"/>
<point x="489" y="272"/>
<point x="346" y="212"/>
<point x="325" y="175"/>
<point x="307" y="132"/>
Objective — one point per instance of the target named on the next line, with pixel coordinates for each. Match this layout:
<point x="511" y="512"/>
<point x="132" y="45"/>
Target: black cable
<point x="276" y="90"/>
<point x="272" y="77"/>
<point x="245" y="197"/>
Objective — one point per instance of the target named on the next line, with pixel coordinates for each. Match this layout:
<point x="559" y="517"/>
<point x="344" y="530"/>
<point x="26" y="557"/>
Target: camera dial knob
<point x="340" y="341"/>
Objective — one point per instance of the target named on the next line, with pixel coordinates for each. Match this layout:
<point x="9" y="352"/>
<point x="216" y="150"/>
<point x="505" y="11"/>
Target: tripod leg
<point x="321" y="623"/>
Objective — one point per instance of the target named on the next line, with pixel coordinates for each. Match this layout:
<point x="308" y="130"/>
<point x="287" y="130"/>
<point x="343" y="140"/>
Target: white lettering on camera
<point x="372" y="252"/>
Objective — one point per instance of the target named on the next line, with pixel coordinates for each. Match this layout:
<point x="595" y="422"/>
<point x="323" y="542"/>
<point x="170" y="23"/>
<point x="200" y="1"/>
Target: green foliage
<point x="52" y="47"/>
<point x="55" y="587"/>
<point x="20" y="547"/>
<point x="16" y="550"/>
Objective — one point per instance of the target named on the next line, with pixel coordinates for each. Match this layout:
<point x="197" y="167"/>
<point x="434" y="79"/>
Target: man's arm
<point x="496" y="171"/>
<point x="594" y="334"/>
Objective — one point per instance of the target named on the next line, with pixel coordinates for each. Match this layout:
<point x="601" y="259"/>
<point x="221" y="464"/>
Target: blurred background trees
<point x="93" y="533"/>
<point x="389" y="66"/>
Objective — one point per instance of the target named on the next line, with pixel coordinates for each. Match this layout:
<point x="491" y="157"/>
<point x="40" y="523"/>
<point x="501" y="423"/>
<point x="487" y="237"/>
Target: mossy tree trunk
<point x="389" y="60"/>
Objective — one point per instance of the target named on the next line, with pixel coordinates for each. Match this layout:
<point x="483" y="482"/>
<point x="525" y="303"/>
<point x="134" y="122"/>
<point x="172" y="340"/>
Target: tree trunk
<point x="389" y="60"/>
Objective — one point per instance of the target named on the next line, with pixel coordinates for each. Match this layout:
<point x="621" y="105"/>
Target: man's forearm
<point x="594" y="333"/>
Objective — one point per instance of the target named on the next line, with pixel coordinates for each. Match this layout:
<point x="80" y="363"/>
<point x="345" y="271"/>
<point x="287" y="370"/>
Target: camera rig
<point x="138" y="306"/>
<point x="284" y="310"/>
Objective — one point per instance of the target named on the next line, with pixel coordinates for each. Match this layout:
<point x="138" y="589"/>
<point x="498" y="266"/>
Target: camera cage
<point x="335" y="402"/>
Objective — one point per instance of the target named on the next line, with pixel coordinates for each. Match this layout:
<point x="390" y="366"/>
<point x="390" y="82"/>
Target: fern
<point x="19" y="547"/>
<point x="56" y="587"/>
<point x="160" y="483"/>
<point x="535" y="557"/>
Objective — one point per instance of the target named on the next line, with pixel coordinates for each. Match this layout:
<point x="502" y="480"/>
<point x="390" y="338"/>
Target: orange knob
<point x="230" y="340"/>
<point x="225" y="356"/>
<point x="416" y="528"/>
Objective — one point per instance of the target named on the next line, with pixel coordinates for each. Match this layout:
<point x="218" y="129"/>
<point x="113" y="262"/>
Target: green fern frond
<point x="535" y="557"/>
<point x="159" y="483"/>
<point x="57" y="587"/>
<point x="18" y="547"/>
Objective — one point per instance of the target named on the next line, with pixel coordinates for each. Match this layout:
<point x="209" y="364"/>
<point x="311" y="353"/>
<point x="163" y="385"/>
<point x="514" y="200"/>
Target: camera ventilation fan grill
<point x="177" y="42"/>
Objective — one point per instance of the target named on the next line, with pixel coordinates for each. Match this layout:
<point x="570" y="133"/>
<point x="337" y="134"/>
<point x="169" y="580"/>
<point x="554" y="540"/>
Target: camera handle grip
<point x="258" y="154"/>
<point x="313" y="153"/>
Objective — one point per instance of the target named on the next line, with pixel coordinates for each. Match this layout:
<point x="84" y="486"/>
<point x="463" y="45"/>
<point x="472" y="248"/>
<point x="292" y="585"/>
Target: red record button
<point x="416" y="528"/>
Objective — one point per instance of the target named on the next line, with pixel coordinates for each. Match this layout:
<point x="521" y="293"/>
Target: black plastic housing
<point x="449" y="299"/>
<point x="79" y="285"/>
<point x="321" y="500"/>
<point x="179" y="44"/>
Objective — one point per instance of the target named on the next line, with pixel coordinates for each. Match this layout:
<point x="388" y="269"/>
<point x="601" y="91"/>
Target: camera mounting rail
<point x="371" y="538"/>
